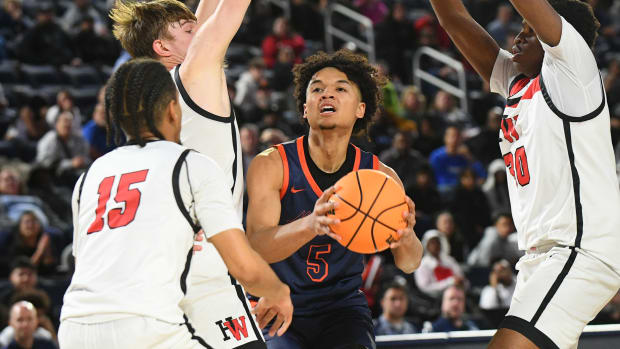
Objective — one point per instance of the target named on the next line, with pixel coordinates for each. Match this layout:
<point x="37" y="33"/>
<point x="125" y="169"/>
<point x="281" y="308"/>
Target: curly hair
<point x="580" y="15"/>
<point x="356" y="68"/>
<point x="138" y="24"/>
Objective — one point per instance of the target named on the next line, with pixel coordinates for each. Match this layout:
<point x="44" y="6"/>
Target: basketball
<point x="370" y="209"/>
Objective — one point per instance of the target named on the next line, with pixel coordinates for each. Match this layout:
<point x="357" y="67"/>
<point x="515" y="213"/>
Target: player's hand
<point x="280" y="307"/>
<point x="406" y="236"/>
<point x="198" y="237"/>
<point x="318" y="222"/>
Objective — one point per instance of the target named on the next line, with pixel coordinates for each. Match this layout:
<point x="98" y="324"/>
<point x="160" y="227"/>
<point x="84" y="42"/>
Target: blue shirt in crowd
<point x="448" y="167"/>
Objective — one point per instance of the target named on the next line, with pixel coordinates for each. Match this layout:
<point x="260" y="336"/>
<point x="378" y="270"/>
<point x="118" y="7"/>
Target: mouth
<point x="516" y="51"/>
<point x="326" y="109"/>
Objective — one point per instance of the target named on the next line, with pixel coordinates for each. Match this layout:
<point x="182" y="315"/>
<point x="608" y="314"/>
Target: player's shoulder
<point x="267" y="166"/>
<point x="268" y="159"/>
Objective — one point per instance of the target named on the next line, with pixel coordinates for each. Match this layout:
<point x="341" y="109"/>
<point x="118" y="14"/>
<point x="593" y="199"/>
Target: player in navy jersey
<point x="289" y="186"/>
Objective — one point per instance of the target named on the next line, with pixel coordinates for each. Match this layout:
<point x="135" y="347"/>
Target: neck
<point x="328" y="149"/>
<point x="25" y="342"/>
<point x="30" y="241"/>
<point x="392" y="319"/>
<point x="170" y="62"/>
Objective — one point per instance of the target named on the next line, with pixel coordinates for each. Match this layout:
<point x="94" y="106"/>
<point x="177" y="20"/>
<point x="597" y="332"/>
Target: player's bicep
<point x="264" y="181"/>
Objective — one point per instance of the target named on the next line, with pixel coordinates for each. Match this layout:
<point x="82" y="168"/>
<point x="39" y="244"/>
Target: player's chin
<point x="327" y="127"/>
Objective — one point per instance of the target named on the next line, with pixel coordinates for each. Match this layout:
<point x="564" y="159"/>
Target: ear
<point x="361" y="110"/>
<point x="160" y="48"/>
<point x="305" y="111"/>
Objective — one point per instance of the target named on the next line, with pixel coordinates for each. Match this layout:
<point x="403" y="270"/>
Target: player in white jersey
<point x="135" y="213"/>
<point x="193" y="50"/>
<point x="555" y="140"/>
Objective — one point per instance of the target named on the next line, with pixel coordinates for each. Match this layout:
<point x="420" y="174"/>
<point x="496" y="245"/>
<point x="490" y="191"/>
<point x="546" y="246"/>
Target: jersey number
<point x="518" y="167"/>
<point x="317" y="266"/>
<point x="131" y="197"/>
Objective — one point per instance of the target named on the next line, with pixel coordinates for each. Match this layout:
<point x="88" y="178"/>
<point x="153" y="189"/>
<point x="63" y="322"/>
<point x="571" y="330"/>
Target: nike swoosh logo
<point x="294" y="191"/>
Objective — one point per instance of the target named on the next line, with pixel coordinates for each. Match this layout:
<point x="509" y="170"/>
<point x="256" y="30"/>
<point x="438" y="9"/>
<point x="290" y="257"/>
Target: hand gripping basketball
<point x="319" y="221"/>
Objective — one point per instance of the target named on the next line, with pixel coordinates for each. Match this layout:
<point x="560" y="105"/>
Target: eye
<point x="341" y="89"/>
<point x="317" y="89"/>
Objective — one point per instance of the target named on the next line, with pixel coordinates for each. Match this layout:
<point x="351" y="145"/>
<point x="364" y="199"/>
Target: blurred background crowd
<point x="56" y="55"/>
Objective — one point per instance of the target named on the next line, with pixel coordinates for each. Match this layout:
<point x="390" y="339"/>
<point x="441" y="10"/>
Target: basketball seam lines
<point x="374" y="219"/>
<point x="372" y="228"/>
<point x="369" y="209"/>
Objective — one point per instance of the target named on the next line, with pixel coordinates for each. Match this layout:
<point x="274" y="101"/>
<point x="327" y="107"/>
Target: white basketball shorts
<point x="558" y="293"/>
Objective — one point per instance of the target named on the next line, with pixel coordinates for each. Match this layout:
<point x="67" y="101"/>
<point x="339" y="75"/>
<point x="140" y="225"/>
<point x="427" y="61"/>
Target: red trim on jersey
<point x="375" y="162"/>
<point x="285" y="169"/>
<point x="519" y="85"/>
<point x="358" y="157"/>
<point x="304" y="167"/>
<point x="532" y="89"/>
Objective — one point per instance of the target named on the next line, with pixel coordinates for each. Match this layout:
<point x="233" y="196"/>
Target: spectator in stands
<point x="272" y="136"/>
<point x="248" y="85"/>
<point x="23" y="320"/>
<point x="307" y="19"/>
<point x="454" y="243"/>
<point x="248" y="135"/>
<point x="453" y="316"/>
<point x="281" y="36"/>
<point x="448" y="161"/>
<point x="496" y="188"/>
<point x="376" y="10"/>
<point x="484" y="145"/>
<point x="426" y="197"/>
<point x="430" y="33"/>
<point x="14" y="202"/>
<point x="272" y="119"/>
<point x="41" y="303"/>
<point x="444" y="108"/>
<point x="23" y="277"/>
<point x="395" y="42"/>
<point x="282" y="78"/>
<point x="30" y="240"/>
<point x="499" y="241"/>
<point x="95" y="133"/>
<point x="92" y="47"/>
<point x="498" y="293"/>
<point x="63" y="152"/>
<point x="76" y="11"/>
<point x="503" y="23"/>
<point x="610" y="314"/>
<point x="65" y="103"/>
<point x="394" y="307"/>
<point x="413" y="104"/>
<point x="26" y="132"/>
<point x="261" y="105"/>
<point x="427" y="140"/>
<point x="470" y="207"/>
<point x="13" y="23"/>
<point x="403" y="159"/>
<point x="612" y="82"/>
<point x="46" y="42"/>
<point x="438" y="270"/>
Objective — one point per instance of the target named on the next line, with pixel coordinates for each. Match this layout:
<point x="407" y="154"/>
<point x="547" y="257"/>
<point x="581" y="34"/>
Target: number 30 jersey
<point x="556" y="143"/>
<point x="322" y="274"/>
<point x="135" y="212"/>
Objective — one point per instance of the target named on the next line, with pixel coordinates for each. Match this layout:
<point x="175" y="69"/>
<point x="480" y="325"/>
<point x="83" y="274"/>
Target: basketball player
<point x="192" y="48"/>
<point x="289" y="187"/>
<point x="555" y="140"/>
<point x="135" y="212"/>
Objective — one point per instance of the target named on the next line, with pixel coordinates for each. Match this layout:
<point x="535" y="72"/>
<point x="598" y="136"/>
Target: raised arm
<point x="205" y="10"/>
<point x="468" y="36"/>
<point x="542" y="18"/>
<point x="408" y="249"/>
<point x="272" y="241"/>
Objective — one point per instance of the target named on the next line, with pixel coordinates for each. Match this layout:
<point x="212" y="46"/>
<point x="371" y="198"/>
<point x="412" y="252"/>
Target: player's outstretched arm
<point x="408" y="249"/>
<point x="545" y="21"/>
<point x="257" y="277"/>
<point x="272" y="241"/>
<point x="468" y="36"/>
<point x="205" y="9"/>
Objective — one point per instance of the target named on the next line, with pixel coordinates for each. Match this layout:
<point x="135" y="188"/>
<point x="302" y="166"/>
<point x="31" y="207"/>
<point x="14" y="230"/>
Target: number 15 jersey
<point x="132" y="236"/>
<point x="556" y="143"/>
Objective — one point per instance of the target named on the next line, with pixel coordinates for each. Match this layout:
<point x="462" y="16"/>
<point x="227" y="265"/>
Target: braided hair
<point x="136" y="97"/>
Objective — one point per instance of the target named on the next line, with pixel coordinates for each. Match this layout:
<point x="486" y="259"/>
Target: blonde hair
<point x="138" y="24"/>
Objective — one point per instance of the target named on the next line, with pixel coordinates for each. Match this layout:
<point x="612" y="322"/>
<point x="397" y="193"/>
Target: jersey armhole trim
<point x="285" y="174"/>
<point x="195" y="107"/>
<point x="304" y="167"/>
<point x="177" y="190"/>
<point x="375" y="162"/>
<point x="569" y="118"/>
<point x="82" y="186"/>
<point x="358" y="158"/>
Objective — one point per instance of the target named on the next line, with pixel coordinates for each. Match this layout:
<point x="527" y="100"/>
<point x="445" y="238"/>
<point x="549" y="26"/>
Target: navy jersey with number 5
<point x="322" y="274"/>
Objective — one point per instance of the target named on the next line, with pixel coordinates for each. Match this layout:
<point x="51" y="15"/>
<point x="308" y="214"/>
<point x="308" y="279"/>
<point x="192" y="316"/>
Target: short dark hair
<point x="501" y="214"/>
<point x="397" y="286"/>
<point x="38" y="298"/>
<point x="22" y="262"/>
<point x="356" y="68"/>
<point x="581" y="16"/>
<point x="136" y="96"/>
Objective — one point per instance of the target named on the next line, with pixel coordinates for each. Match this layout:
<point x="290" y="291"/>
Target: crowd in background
<point x="56" y="55"/>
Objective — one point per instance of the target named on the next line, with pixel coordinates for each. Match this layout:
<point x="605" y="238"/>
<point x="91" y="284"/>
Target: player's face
<point x="181" y="34"/>
<point x="527" y="52"/>
<point x="332" y="101"/>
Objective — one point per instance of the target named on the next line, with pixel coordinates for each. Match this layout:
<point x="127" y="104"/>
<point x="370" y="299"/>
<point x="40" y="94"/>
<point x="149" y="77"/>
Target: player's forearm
<point x="277" y="243"/>
<point x="407" y="257"/>
<point x="542" y="18"/>
<point x="205" y="10"/>
<point x="468" y="36"/>
<point x="260" y="280"/>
